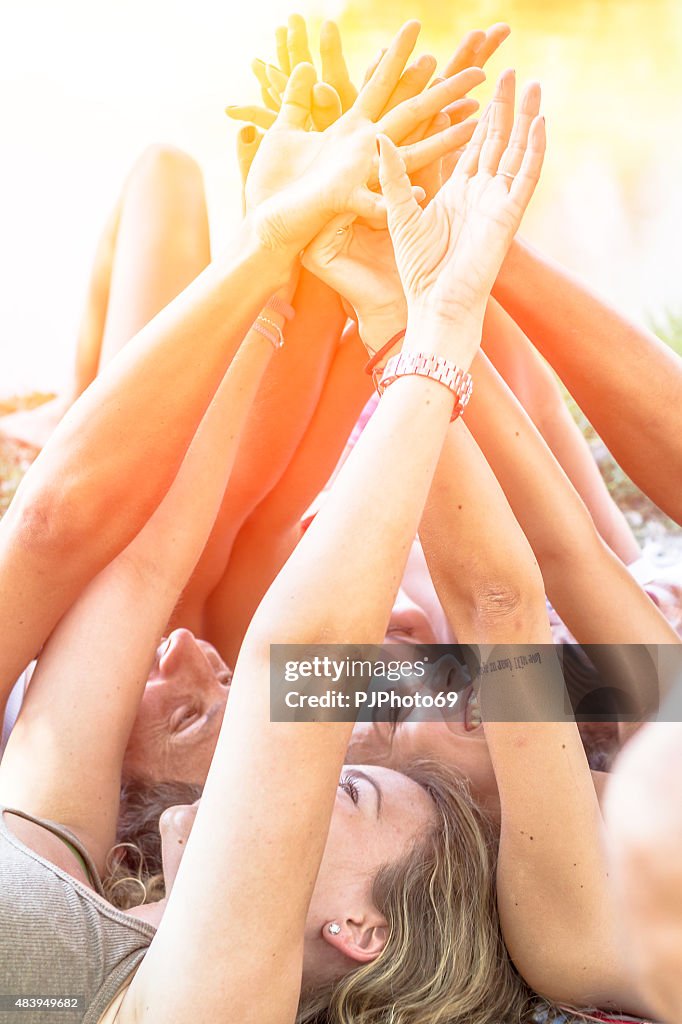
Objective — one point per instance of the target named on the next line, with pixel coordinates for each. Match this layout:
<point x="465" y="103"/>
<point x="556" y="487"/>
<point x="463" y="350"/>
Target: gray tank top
<point x="57" y="937"/>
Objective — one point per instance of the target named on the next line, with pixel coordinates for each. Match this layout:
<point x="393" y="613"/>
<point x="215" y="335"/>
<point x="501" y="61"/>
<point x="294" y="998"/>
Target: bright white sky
<point x="87" y="84"/>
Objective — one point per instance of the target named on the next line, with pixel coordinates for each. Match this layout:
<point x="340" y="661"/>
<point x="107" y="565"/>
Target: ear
<point x="361" y="938"/>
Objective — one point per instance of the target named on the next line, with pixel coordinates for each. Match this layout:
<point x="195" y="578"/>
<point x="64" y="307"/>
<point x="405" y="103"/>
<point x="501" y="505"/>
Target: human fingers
<point x="465" y="54"/>
<point x="270" y="100"/>
<point x="421" y="131"/>
<point x="414" y="80"/>
<point x="449" y="163"/>
<point x="455" y="112"/>
<point x="255" y="115"/>
<point x="429" y="177"/>
<point x="281" y="34"/>
<point x="374" y="96"/>
<point x="468" y="163"/>
<point x="529" y="108"/>
<point x="334" y="69"/>
<point x="326" y="106"/>
<point x="297" y="100"/>
<point x="494" y="37"/>
<point x="402" y="120"/>
<point x="373" y="66"/>
<point x="436" y="146"/>
<point x="523" y="185"/>
<point x="278" y="81"/>
<point x="500" y="123"/>
<point x="401" y="206"/>
<point x="461" y="109"/>
<point x="248" y="141"/>
<point x="297" y="42"/>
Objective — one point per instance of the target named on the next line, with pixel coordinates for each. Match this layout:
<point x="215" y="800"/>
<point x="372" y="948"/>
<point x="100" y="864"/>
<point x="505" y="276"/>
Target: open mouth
<point x="472" y="712"/>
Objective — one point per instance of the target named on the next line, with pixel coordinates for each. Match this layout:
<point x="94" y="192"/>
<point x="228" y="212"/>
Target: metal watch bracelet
<point x="437" y="368"/>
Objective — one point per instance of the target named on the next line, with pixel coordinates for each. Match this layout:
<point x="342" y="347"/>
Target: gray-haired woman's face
<point x="177" y="726"/>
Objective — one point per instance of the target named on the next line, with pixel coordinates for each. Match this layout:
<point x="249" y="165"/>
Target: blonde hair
<point x="445" y="961"/>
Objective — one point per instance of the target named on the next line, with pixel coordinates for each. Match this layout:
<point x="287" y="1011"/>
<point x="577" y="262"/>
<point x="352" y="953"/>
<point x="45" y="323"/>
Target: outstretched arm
<point x="626" y="381"/>
<point x="120" y="447"/>
<point x="64" y="757"/>
<point x="490" y="585"/>
<point x="590" y="588"/>
<point x="538" y="391"/>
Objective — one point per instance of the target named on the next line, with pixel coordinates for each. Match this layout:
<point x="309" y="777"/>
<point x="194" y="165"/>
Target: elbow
<point x="51" y="519"/>
<point x="498" y="599"/>
<point x="42" y="520"/>
<point x="510" y="611"/>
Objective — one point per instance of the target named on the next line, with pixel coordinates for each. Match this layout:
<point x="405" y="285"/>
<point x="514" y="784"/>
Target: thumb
<point x="401" y="204"/>
<point x="248" y="141"/>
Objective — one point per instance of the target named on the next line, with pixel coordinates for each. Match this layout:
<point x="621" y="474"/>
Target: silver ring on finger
<point x="506" y="174"/>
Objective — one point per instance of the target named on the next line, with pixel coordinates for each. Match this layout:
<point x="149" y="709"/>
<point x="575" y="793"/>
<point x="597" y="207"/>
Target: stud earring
<point x="334" y="928"/>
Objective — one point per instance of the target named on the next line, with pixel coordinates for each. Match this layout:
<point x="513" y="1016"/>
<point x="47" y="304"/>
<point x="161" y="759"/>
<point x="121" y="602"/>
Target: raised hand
<point x="300" y="180"/>
<point x="449" y="254"/>
<point x="357" y="261"/>
<point x="292" y="47"/>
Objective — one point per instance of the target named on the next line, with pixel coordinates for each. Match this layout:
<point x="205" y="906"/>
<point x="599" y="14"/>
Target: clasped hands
<point x="428" y="245"/>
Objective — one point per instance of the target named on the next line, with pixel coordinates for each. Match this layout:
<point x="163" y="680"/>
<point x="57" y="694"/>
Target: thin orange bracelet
<point x="378" y="356"/>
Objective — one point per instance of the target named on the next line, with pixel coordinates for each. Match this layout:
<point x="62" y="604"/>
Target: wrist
<point x="454" y="338"/>
<point x="376" y="329"/>
<point x="275" y="254"/>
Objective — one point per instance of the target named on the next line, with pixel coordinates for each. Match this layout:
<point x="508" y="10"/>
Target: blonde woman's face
<point x="378" y="814"/>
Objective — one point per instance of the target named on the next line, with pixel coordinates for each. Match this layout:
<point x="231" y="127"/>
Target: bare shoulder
<point x="47" y="845"/>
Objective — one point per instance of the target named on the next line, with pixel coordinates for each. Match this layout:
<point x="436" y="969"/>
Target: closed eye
<point x="182" y="718"/>
<point x="348" y="785"/>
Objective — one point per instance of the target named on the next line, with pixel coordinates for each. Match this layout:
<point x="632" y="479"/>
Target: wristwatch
<point x="437" y="367"/>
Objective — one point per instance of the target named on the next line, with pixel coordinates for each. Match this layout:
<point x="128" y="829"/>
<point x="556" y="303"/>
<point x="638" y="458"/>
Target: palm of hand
<point x="285" y="154"/>
<point x="462" y="240"/>
<point x="323" y="173"/>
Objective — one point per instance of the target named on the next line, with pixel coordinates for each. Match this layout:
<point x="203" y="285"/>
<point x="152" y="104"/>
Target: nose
<point x="180" y="658"/>
<point x="409" y="624"/>
<point x="179" y="647"/>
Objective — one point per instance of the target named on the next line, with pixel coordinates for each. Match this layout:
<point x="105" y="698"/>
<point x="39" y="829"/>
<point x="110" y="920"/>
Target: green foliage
<point x="669" y="329"/>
